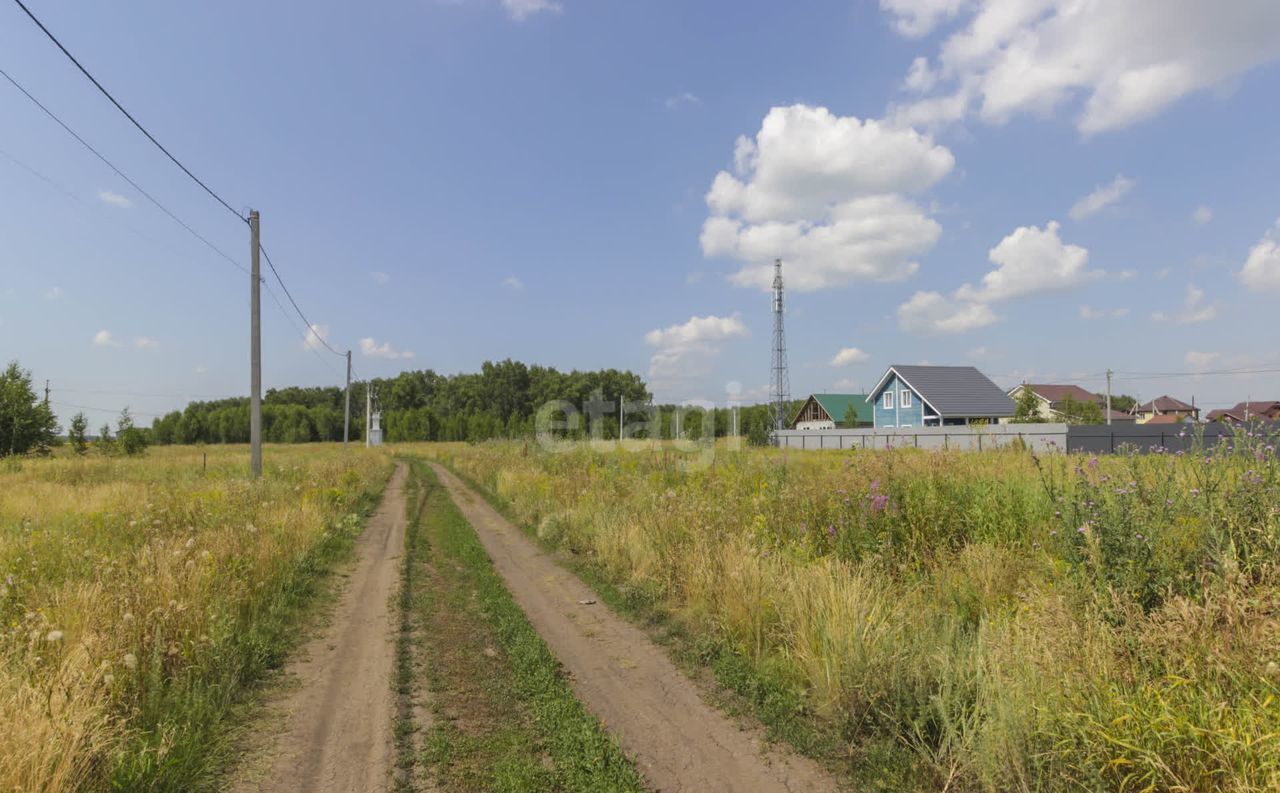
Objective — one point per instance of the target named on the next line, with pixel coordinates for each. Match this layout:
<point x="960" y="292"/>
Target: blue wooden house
<point x="937" y="396"/>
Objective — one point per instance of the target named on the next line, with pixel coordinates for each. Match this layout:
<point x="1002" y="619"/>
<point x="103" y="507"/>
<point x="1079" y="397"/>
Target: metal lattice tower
<point x="779" y="382"/>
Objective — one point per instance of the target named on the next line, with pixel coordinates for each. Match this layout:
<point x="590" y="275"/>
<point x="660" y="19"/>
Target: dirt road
<point x="335" y="727"/>
<point x="679" y="741"/>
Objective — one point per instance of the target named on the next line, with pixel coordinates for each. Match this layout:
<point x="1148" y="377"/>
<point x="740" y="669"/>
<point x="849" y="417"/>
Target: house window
<point x="905" y="399"/>
<point x="888" y="400"/>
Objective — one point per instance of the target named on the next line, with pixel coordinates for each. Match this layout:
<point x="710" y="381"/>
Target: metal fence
<point x="1097" y="439"/>
<point x="1044" y="437"/>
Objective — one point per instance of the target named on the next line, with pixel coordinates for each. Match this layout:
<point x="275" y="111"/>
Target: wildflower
<point x="128" y="617"/>
<point x="1139" y="536"/>
<point x="831" y="529"/>
<point x="130" y="661"/>
<point x="1083" y="529"/>
<point x="53" y="636"/>
<point x="1093" y="462"/>
<point x="878" y="503"/>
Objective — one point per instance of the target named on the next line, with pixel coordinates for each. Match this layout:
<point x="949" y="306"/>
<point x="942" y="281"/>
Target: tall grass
<point x="140" y="596"/>
<point x="1006" y="622"/>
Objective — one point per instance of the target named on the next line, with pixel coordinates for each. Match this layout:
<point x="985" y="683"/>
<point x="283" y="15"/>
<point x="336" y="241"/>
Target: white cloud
<point x="1202" y="215"/>
<point x="1163" y="273"/>
<point x="317" y="335"/>
<point x="683" y="346"/>
<point x="1102" y="197"/>
<point x="1262" y="269"/>
<point x="849" y="356"/>
<point x="1201" y="360"/>
<point x="114" y="199"/>
<point x="54" y="293"/>
<point x="1127" y="274"/>
<point x="683" y="99"/>
<point x="145" y="343"/>
<point x="916" y="18"/>
<point x="1031" y="260"/>
<point x="984" y="354"/>
<point x="1087" y="312"/>
<point x="512" y="283"/>
<point x="380" y="278"/>
<point x="371" y="349"/>
<point x="826" y="194"/>
<point x="520" y="10"/>
<point x="930" y="313"/>
<point x="1194" y="309"/>
<point x="1114" y="63"/>
<point x="103" y="338"/>
<point x="920" y="78"/>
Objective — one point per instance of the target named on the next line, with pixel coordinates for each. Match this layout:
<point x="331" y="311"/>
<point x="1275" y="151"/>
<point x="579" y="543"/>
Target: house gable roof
<point x="1057" y="393"/>
<point x="1164" y="403"/>
<point x="836" y="405"/>
<point x="952" y="391"/>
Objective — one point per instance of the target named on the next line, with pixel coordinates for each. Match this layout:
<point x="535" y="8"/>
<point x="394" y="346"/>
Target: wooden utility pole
<point x="368" y="410"/>
<point x="255" y="348"/>
<point x="346" y="418"/>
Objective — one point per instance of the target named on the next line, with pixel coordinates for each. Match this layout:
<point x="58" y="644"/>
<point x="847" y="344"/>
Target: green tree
<point x="1027" y="408"/>
<point x="77" y="434"/>
<point x="105" y="444"/>
<point x="1123" y="403"/>
<point x="1077" y="412"/>
<point x="131" y="439"/>
<point x="26" y="423"/>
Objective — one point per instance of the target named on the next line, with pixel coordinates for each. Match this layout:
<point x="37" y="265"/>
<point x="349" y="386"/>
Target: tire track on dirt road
<point x="679" y="741"/>
<point x="337" y="734"/>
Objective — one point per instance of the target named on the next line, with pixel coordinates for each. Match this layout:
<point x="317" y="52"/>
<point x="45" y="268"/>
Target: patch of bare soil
<point x="333" y="732"/>
<point x="680" y="742"/>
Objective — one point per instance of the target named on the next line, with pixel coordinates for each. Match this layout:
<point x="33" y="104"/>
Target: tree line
<point x="503" y="399"/>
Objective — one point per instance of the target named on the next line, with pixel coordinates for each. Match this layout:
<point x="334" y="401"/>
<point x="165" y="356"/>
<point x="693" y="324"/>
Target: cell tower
<point x="779" y="382"/>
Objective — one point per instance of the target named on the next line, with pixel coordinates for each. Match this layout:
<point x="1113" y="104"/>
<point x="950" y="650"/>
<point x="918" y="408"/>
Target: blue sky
<point x="1045" y="189"/>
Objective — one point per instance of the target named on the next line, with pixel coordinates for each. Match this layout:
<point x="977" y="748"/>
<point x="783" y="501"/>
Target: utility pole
<point x="622" y="416"/>
<point x="255" y="347"/>
<point x="1109" y="373"/>
<point x="46" y="393"/>
<point x="368" y="410"/>
<point x="346" y="416"/>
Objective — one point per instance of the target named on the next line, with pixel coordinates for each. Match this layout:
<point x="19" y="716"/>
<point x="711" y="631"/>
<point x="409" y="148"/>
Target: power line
<point x="173" y="159"/>
<point x="310" y="327"/>
<point x="126" y="113"/>
<point x="121" y="173"/>
<point x="104" y="410"/>
<point x="1204" y="373"/>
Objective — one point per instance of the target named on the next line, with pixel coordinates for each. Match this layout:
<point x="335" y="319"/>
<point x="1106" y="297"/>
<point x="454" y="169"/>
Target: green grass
<point x="742" y="689"/>
<point x="504" y="717"/>
<point x="187" y="728"/>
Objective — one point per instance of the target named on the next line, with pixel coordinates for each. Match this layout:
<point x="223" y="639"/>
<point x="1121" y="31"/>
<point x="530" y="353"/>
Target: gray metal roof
<point x="957" y="391"/>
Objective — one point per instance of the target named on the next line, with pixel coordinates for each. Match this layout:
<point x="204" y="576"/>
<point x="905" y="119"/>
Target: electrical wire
<point x="309" y="325"/>
<point x="105" y="410"/>
<point x="121" y="173"/>
<point x="126" y="113"/>
<point x="174" y="160"/>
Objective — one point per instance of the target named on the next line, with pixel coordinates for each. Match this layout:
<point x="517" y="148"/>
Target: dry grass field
<point x="141" y="597"/>
<point x="957" y="621"/>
